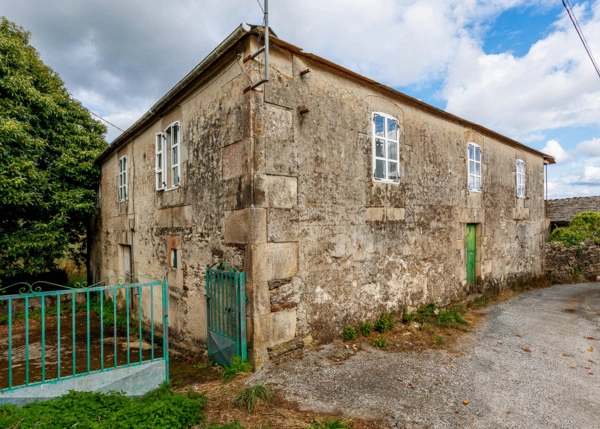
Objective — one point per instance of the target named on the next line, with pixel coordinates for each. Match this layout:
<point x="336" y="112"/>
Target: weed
<point x="380" y="341"/>
<point x="426" y="311"/>
<point x="406" y="316"/>
<point x="439" y="340"/>
<point x="252" y="395"/>
<point x="159" y="408"/>
<point x="365" y="329"/>
<point x="385" y="322"/>
<point x="349" y="333"/>
<point x="238" y="366"/>
<point x="482" y="301"/>
<point x="452" y="317"/>
<point x="328" y="424"/>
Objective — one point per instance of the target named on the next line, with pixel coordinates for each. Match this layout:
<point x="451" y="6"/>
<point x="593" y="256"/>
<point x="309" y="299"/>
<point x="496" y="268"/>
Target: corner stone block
<point x="271" y="261"/>
<point x="245" y="226"/>
<point x="276" y="191"/>
<point x="375" y="214"/>
<point x="235" y="159"/>
<point x="259" y="300"/>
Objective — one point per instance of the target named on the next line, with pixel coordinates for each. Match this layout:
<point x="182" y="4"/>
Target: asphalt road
<point x="532" y="363"/>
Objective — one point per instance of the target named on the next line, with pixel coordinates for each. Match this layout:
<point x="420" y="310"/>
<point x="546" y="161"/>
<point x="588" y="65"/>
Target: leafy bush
<point x="349" y="333"/>
<point x="380" y="341"/>
<point x="365" y="329"/>
<point x="238" y="366"/>
<point x="586" y="225"/>
<point x="385" y="322"/>
<point x="159" y="408"/>
<point x="252" y="395"/>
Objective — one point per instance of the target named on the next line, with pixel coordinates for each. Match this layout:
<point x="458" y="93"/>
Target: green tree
<point x="48" y="143"/>
<point x="584" y="226"/>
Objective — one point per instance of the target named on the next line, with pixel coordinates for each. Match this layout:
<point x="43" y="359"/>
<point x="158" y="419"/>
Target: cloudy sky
<point x="514" y="66"/>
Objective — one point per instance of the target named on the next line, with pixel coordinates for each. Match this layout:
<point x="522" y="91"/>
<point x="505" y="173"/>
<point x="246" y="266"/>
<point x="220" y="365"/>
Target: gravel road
<point x="533" y="362"/>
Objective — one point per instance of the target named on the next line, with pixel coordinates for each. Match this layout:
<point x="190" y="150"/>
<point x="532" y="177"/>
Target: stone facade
<point x="279" y="182"/>
<point x="577" y="263"/>
<point x="561" y="211"/>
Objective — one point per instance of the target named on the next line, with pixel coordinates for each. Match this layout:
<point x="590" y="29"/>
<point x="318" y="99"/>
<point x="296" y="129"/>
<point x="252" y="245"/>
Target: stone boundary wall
<point x="564" y="209"/>
<point x="579" y="263"/>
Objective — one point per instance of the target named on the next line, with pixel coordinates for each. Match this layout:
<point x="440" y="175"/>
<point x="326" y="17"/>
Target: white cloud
<point x="591" y="174"/>
<point x="589" y="147"/>
<point x="555" y="149"/>
<point x="551" y="86"/>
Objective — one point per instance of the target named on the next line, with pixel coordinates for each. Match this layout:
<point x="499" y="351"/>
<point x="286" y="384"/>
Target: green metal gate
<point x="112" y="335"/>
<point x="471" y="254"/>
<point x="226" y="313"/>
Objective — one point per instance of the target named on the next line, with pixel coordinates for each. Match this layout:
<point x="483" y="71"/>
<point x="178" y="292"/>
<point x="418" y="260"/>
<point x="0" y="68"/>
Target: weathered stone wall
<point x="564" y="209"/>
<point x="215" y="182"/>
<point x="354" y="247"/>
<point x="572" y="263"/>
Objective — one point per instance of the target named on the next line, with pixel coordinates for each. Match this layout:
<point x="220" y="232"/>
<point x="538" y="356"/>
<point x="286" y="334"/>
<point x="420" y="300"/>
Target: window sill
<point x="392" y="182"/>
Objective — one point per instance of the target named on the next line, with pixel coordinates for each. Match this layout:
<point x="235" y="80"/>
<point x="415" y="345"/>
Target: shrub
<point x="365" y="329"/>
<point x="586" y="225"/>
<point x="380" y="341"/>
<point x="349" y="333"/>
<point x="385" y="322"/>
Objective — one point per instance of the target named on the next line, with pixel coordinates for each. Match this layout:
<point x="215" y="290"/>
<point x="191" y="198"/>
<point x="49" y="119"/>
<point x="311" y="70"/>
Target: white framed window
<point x="123" y="178"/>
<point x="160" y="168"/>
<point x="474" y="166"/>
<point x="386" y="151"/>
<point x="168" y="157"/>
<point x="520" y="178"/>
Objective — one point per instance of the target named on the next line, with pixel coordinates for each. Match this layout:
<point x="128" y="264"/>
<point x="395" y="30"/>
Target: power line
<point x="102" y="119"/>
<point x="580" y="33"/>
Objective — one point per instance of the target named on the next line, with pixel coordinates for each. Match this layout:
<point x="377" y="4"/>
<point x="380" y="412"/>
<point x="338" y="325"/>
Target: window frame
<point x="521" y="178"/>
<point x="474" y="174"/>
<point x="387" y="159"/>
<point x="122" y="179"/>
<point x="167" y="148"/>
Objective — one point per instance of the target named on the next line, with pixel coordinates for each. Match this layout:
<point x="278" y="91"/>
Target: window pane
<point x="471" y="167"/>
<point x="471" y="149"/>
<point x="471" y="182"/>
<point x="392" y="151"/>
<point x="175" y="134"/>
<point x="175" y="156"/>
<point x="379" y="126"/>
<point x="478" y="183"/>
<point x="159" y="179"/>
<point x="175" y="176"/>
<point x="379" y="169"/>
<point x="478" y="154"/>
<point x="379" y="148"/>
<point x="477" y="169"/>
<point x="392" y="129"/>
<point x="393" y="170"/>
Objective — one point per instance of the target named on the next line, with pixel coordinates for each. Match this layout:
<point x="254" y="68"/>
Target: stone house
<point x="338" y="196"/>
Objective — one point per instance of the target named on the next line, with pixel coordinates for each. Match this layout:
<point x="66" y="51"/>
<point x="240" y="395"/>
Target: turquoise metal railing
<point x="41" y="347"/>
<point x="226" y="313"/>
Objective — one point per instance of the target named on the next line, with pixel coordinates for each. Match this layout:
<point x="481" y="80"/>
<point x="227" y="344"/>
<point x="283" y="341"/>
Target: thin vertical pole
<point x="267" y="40"/>
<point x="115" y="326"/>
<point x="165" y="299"/>
<point x="26" y="341"/>
<point x="87" y="329"/>
<point x="101" y="298"/>
<point x="127" y="313"/>
<point x="10" y="344"/>
<point x="139" y="303"/>
<point x="152" y="319"/>
<point x="43" y="345"/>
<point x="73" y="333"/>
<point x="58" y="298"/>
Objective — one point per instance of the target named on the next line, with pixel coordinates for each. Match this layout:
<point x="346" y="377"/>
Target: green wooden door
<point x="471" y="254"/>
